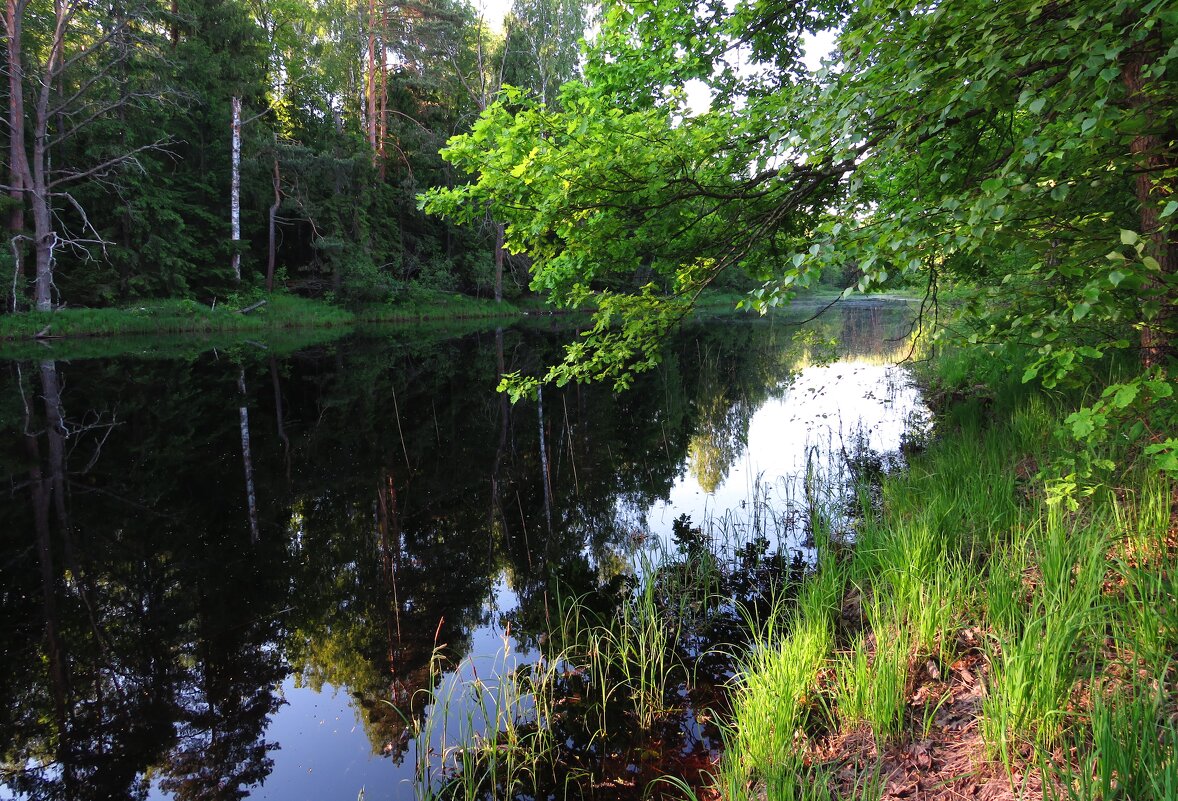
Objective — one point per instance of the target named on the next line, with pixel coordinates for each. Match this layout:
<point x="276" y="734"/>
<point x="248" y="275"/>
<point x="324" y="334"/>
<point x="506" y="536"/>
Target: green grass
<point x="418" y="305"/>
<point x="606" y="676"/>
<point x="281" y="310"/>
<point x="174" y="316"/>
<point x="775" y="699"/>
<point x="481" y="736"/>
<point x="176" y="327"/>
<point x="1038" y="660"/>
<point x="413" y="306"/>
<point x="1069" y="618"/>
<point x="1077" y="614"/>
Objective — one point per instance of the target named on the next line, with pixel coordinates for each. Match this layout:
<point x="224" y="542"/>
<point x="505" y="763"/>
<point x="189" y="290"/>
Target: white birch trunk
<point x="235" y="190"/>
<point x="247" y="459"/>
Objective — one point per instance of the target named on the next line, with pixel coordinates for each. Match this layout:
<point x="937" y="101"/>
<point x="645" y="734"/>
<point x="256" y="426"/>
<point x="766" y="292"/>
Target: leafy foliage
<point x="1024" y="150"/>
<point x="346" y="105"/>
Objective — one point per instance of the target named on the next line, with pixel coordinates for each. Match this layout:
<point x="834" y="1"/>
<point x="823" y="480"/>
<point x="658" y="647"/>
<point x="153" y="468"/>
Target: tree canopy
<point x="118" y="159"/>
<point x="1022" y="150"/>
<point x="1025" y="149"/>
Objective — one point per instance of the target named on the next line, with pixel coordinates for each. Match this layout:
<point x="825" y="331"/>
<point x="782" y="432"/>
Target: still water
<point x="227" y="573"/>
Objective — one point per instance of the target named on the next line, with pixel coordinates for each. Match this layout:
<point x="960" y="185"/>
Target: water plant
<point x="966" y="608"/>
<point x="615" y="693"/>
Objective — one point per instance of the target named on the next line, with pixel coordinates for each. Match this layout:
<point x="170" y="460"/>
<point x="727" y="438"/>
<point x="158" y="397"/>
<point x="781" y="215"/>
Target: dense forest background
<point x="119" y="144"/>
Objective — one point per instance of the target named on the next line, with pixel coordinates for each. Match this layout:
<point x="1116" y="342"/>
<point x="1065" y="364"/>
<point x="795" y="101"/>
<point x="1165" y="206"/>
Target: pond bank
<point x="972" y="641"/>
<point x="411" y="526"/>
<point x="975" y="642"/>
<point x="259" y="313"/>
<point x="279" y="311"/>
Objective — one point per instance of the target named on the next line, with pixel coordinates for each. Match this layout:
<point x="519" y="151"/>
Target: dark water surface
<point x="225" y="575"/>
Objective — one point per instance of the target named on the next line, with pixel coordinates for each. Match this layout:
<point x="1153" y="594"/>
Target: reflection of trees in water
<point x="143" y="629"/>
<point x="876" y="329"/>
<point x="114" y="662"/>
<point x="722" y="428"/>
<point x="739" y="367"/>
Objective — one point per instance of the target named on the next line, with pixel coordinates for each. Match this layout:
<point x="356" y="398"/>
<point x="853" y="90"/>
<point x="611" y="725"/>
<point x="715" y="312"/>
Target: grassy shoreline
<point x="974" y="639"/>
<point x="278" y="311"/>
<point x="285" y="311"/>
<point x="972" y="642"/>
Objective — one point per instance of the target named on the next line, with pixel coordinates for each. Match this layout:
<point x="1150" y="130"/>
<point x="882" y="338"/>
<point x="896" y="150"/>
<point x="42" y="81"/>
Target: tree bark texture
<point x="271" y="254"/>
<point x="235" y="190"/>
<point x="18" y="167"/>
<point x="371" y="80"/>
<point x="1153" y="190"/>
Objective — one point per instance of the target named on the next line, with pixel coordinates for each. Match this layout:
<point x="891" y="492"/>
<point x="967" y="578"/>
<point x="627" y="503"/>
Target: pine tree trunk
<point x="382" y="114"/>
<point x="36" y="181"/>
<point x="45" y="238"/>
<point x="370" y="83"/>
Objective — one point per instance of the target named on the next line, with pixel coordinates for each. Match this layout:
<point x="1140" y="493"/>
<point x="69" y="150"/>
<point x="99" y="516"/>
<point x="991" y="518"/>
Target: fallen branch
<point x="253" y="307"/>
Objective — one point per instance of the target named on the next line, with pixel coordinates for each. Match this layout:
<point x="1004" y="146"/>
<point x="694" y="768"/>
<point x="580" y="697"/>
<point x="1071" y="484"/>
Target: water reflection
<point x="234" y="573"/>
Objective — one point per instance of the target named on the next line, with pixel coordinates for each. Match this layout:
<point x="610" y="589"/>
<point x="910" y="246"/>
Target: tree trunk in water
<point x="273" y="215"/>
<point x="43" y="489"/>
<point x="546" y="477"/>
<point x="235" y="190"/>
<point x="53" y="649"/>
<point x="247" y="459"/>
<point x="1153" y="190"/>
<point x="279" y="416"/>
<point x="55" y="432"/>
<point x="497" y="515"/>
<point x="389" y="525"/>
<point x="499" y="236"/>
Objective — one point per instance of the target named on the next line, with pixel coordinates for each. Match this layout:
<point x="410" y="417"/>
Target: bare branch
<point x="86" y="85"/>
<point x="109" y="163"/>
<point x="258" y="116"/>
<point x="14" y="243"/>
<point x="100" y="112"/>
<point x="86" y="51"/>
<point x="86" y="224"/>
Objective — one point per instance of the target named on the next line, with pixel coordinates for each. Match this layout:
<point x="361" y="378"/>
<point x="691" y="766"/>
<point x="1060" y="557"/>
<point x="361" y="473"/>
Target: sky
<point x="494" y="11"/>
<point x="817" y="47"/>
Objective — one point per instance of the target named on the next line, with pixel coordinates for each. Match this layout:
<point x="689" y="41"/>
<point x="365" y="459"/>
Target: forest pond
<point x="267" y="571"/>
